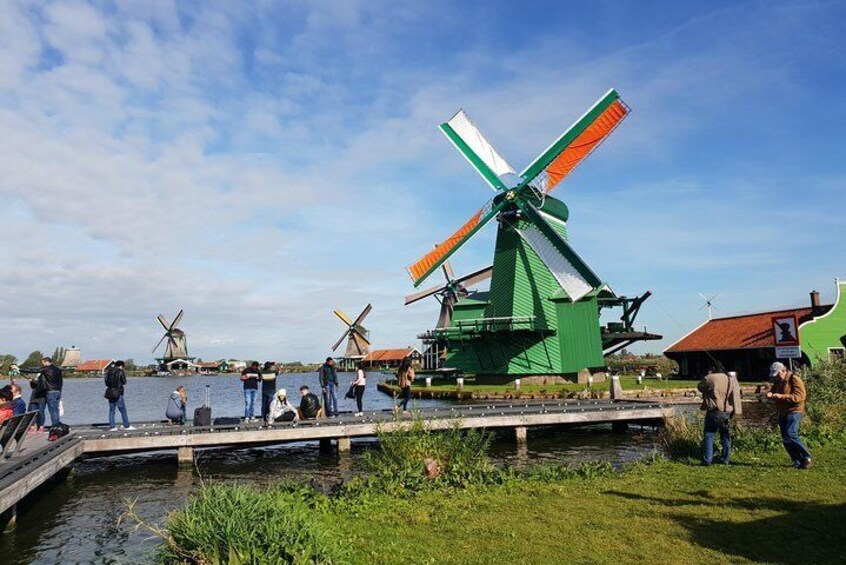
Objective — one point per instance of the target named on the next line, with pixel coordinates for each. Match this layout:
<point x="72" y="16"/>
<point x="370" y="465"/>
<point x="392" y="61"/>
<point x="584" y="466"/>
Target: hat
<point x="282" y="393"/>
<point x="775" y="368"/>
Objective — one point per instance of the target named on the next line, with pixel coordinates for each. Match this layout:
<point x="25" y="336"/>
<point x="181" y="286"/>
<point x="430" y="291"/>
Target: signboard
<point x="786" y="331"/>
<point x="788" y="352"/>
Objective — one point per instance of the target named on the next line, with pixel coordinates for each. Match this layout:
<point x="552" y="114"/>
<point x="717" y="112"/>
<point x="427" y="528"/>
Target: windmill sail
<point x="575" y="144"/>
<point x="568" y="269"/>
<point x="478" y="151"/>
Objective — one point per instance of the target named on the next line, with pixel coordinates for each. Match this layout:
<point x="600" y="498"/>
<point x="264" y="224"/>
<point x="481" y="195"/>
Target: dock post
<point x="520" y="435"/>
<point x="9" y="519"/>
<point x="185" y="455"/>
<point x="616" y="388"/>
<point x="325" y="445"/>
<point x="343" y="444"/>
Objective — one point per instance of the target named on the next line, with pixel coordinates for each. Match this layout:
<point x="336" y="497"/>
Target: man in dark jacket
<point x="115" y="380"/>
<point x="250" y="377"/>
<point x="309" y="404"/>
<point x="48" y="385"/>
<point x="268" y="387"/>
<point x="328" y="383"/>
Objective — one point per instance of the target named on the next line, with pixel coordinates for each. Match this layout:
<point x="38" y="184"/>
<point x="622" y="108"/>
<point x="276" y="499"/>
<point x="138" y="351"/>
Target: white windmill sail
<point x="567" y="275"/>
<point x="476" y="148"/>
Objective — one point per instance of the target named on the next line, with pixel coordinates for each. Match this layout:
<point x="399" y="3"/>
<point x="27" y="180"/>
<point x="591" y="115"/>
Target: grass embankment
<point x="758" y="510"/>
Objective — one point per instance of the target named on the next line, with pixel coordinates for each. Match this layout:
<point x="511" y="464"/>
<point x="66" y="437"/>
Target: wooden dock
<point x="40" y="460"/>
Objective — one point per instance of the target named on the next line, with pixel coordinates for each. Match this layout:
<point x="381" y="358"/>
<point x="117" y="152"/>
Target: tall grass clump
<point x="825" y="384"/>
<point x="413" y="457"/>
<point x="239" y="524"/>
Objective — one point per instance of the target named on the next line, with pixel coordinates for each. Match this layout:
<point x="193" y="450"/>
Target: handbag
<point x="350" y="393"/>
<point x="112" y="394"/>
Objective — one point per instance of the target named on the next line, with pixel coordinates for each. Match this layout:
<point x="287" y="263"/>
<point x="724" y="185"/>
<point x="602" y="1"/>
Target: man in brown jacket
<point x="788" y="392"/>
<point x="718" y="403"/>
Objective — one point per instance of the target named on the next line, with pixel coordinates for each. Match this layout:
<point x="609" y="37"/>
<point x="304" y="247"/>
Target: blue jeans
<point x="120" y="405"/>
<point x="266" y="399"/>
<point x="329" y="400"/>
<point x="38" y="405"/>
<point x="249" y="402"/>
<point x="789" y="427"/>
<point x="53" y="397"/>
<point x="716" y="421"/>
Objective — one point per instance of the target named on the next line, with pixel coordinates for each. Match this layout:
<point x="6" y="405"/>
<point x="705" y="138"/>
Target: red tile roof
<point x="93" y="365"/>
<point x="750" y="331"/>
<point x="387" y="355"/>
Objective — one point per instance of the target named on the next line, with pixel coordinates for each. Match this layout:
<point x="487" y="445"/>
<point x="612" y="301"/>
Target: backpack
<point x="58" y="431"/>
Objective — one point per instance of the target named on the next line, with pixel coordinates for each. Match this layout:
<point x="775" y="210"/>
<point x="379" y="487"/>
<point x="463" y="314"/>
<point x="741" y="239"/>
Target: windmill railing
<point x="466" y="328"/>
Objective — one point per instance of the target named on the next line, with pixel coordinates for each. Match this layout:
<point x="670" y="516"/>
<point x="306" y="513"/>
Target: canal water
<point x="78" y="520"/>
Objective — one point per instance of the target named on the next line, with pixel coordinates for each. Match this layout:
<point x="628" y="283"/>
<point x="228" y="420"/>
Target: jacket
<point x="309" y="406"/>
<point x="18" y="406"/>
<point x="49" y="377"/>
<point x="717" y="392"/>
<point x="279" y="407"/>
<point x="268" y="382"/>
<point x="175" y="410"/>
<point x="115" y="378"/>
<point x="791" y="393"/>
<point x="327" y="374"/>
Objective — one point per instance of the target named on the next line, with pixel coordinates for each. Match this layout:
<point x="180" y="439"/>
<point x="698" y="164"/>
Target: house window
<point x="835" y="353"/>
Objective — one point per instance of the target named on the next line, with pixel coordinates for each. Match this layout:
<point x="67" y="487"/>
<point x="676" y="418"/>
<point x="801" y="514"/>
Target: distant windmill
<point x="451" y="292"/>
<point x="358" y="337"/>
<point x="177" y="345"/>
<point x="709" y="303"/>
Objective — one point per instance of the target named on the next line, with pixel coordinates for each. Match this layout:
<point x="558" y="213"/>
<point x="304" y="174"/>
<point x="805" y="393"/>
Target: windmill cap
<point x="282" y="393"/>
<point x="775" y="368"/>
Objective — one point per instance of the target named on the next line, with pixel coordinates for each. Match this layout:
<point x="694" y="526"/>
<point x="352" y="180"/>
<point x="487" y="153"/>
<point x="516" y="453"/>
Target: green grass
<point x="757" y="511"/>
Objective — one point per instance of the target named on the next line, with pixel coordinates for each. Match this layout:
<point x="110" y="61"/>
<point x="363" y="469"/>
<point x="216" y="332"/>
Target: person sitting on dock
<point x="250" y="377"/>
<point x="309" y="404"/>
<point x="281" y="410"/>
<point x="18" y="404"/>
<point x="176" y="405"/>
<point x="718" y="403"/>
<point x="268" y="387"/>
<point x="6" y="408"/>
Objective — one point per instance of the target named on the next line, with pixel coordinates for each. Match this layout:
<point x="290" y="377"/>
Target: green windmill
<point x="541" y="315"/>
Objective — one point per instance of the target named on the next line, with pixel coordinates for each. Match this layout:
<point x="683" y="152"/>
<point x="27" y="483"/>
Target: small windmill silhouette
<point x="709" y="303"/>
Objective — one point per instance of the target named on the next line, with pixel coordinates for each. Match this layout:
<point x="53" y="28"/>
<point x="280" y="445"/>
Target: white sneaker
<point x="113" y="429"/>
<point x="358" y="414"/>
<point x="130" y="428"/>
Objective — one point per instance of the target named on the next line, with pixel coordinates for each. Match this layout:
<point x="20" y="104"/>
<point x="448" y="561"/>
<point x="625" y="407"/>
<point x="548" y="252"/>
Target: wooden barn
<point x="391" y="358"/>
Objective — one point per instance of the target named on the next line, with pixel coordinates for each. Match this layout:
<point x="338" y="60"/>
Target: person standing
<point x="48" y="382"/>
<point x="328" y="383"/>
<point x="717" y="391"/>
<point x="250" y="377"/>
<point x="359" y="385"/>
<point x="405" y="377"/>
<point x="268" y="387"/>
<point x="789" y="395"/>
<point x="115" y="379"/>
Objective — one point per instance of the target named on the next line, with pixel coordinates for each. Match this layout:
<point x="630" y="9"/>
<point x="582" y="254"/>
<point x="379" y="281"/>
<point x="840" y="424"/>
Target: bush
<point x="459" y="457"/>
<point x="826" y="387"/>
<point x="238" y="524"/>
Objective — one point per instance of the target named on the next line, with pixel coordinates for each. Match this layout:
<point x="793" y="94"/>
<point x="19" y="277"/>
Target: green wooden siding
<point x="824" y="332"/>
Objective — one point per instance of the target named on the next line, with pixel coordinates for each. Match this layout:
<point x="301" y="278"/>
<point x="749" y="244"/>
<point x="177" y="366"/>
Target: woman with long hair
<point x="359" y="384"/>
<point x="176" y="406"/>
<point x="405" y="376"/>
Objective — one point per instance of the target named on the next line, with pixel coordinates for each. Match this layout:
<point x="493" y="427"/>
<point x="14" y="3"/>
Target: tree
<point x="33" y="361"/>
<point x="130" y="364"/>
<point x="58" y="356"/>
<point x="6" y="361"/>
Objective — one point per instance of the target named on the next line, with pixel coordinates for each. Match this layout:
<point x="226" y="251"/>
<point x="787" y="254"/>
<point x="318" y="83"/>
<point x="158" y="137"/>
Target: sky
<point x="260" y="164"/>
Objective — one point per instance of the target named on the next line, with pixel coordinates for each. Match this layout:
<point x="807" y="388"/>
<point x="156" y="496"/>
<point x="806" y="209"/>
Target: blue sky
<point x="260" y="164"/>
